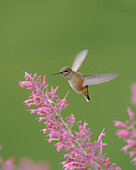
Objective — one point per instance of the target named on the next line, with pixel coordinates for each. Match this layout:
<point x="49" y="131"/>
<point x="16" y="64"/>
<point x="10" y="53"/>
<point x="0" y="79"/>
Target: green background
<point x="43" y="36"/>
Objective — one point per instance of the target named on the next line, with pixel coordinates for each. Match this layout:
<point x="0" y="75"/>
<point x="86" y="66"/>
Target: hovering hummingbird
<point x="79" y="82"/>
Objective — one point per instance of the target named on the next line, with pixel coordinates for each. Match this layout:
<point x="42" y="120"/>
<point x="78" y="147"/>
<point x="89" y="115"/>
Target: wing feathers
<point x="97" y="79"/>
<point x="79" y="59"/>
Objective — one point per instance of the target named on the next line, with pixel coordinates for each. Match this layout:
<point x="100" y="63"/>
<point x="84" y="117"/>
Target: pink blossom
<point x="125" y="148"/>
<point x="124" y="134"/>
<point x="130" y="113"/>
<point x="127" y="131"/>
<point x="132" y="153"/>
<point x="80" y="152"/>
<point x="120" y="124"/>
<point x="101" y="135"/>
<point x="24" y="164"/>
<point x="134" y="160"/>
<point x="8" y="164"/>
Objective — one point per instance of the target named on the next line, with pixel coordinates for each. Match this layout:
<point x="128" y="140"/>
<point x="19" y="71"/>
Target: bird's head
<point x="66" y="72"/>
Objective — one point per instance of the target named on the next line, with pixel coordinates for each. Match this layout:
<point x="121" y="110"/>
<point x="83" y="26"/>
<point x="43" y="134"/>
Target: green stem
<point x="72" y="134"/>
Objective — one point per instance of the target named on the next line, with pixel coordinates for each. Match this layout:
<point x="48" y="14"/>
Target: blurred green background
<point x="43" y="36"/>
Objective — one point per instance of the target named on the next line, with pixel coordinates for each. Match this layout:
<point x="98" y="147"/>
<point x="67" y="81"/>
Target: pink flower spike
<point x="101" y="135"/>
<point x="80" y="128"/>
<point x="35" y="75"/>
<point x="59" y="146"/>
<point x="130" y="113"/>
<point x="56" y="89"/>
<point x="130" y="141"/>
<point x="50" y="101"/>
<point x="132" y="153"/>
<point x="133" y="100"/>
<point x="107" y="160"/>
<point x="41" y="118"/>
<point x="24" y="83"/>
<point x="30" y="104"/>
<point x="120" y="124"/>
<point x="29" y="100"/>
<point x="44" y="79"/>
<point x="123" y="134"/>
<point x="9" y="162"/>
<point x="39" y="77"/>
<point x="26" y="75"/>
<point x="80" y="152"/>
<point x="33" y="111"/>
<point x="52" y="139"/>
<point x="125" y="148"/>
<point x="134" y="160"/>
<point x="127" y="131"/>
<point x="44" y="131"/>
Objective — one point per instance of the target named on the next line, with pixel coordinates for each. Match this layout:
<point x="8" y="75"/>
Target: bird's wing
<point x="97" y="79"/>
<point x="79" y="59"/>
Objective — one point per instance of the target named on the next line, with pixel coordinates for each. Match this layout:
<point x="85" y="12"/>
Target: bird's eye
<point x="66" y="71"/>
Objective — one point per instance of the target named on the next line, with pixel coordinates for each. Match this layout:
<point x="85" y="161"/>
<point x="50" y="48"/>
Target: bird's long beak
<point x="57" y="73"/>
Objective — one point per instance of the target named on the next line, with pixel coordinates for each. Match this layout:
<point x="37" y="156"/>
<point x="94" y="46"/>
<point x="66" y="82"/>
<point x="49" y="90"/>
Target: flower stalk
<point x="80" y="152"/>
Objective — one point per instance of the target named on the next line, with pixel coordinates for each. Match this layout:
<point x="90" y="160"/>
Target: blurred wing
<point x="97" y="79"/>
<point x="79" y="59"/>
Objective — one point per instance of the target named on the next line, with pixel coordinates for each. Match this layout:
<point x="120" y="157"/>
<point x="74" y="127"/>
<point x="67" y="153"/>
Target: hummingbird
<point x="80" y="82"/>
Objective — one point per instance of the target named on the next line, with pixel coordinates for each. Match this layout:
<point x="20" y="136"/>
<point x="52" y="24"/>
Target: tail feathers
<point x="86" y="95"/>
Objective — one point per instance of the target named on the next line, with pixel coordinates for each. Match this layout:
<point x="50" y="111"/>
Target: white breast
<point x="73" y="86"/>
